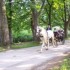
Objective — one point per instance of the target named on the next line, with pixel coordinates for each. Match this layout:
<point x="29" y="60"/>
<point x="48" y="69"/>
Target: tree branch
<point x="46" y="10"/>
<point x="50" y="3"/>
<point x="43" y="20"/>
<point x="43" y="2"/>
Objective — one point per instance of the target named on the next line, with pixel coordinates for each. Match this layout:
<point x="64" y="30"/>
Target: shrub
<point x="22" y="38"/>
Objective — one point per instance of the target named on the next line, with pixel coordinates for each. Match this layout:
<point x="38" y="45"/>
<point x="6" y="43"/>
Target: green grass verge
<point x="2" y="49"/>
<point x="21" y="45"/>
<point x="65" y="65"/>
<point x="24" y="45"/>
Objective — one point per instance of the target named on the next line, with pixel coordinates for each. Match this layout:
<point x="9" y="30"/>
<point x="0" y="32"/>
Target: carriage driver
<point x="49" y="27"/>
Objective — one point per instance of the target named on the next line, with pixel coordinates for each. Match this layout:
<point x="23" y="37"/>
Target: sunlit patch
<point x="1" y="68"/>
<point x="26" y="65"/>
<point x="10" y="60"/>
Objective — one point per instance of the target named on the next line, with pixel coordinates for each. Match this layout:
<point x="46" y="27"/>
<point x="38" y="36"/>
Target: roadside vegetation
<point x="2" y="49"/>
<point x="65" y="64"/>
<point x="20" y="45"/>
<point x="24" y="45"/>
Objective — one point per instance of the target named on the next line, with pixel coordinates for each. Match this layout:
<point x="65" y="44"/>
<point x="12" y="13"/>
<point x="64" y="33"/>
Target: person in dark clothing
<point x="49" y="27"/>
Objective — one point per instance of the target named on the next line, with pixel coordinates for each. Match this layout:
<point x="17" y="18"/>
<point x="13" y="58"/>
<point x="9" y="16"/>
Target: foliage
<point x="21" y="45"/>
<point x="22" y="36"/>
<point x="65" y="65"/>
<point x="21" y="16"/>
<point x="24" y="45"/>
<point x="2" y="49"/>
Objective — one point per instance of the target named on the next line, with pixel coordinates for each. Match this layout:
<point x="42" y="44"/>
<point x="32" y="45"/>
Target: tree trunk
<point x="34" y="19"/>
<point x="1" y="39"/>
<point x="65" y="29"/>
<point x="65" y="22"/>
<point x="49" y="15"/>
<point x="50" y="11"/>
<point x="4" y="26"/>
<point x="10" y="21"/>
<point x="34" y="24"/>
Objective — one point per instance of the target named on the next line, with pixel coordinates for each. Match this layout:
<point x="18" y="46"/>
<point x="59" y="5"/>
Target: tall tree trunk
<point x="10" y="21"/>
<point x="65" y="29"/>
<point x="34" y="24"/>
<point x="34" y="19"/>
<point x="49" y="15"/>
<point x="4" y="26"/>
<point x="1" y="39"/>
<point x="50" y="11"/>
<point x="65" y="22"/>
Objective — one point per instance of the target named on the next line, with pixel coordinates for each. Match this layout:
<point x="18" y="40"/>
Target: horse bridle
<point x="39" y="33"/>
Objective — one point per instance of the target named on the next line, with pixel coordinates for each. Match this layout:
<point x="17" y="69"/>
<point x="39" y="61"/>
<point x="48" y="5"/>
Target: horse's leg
<point x="46" y="46"/>
<point x="53" y="41"/>
<point x="56" y="41"/>
<point x="43" y="44"/>
<point x="48" y="42"/>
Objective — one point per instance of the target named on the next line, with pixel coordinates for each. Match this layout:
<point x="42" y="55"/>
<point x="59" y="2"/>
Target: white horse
<point x="45" y="36"/>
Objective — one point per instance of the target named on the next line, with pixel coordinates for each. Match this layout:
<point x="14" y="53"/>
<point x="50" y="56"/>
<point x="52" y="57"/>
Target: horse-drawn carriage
<point x="59" y="34"/>
<point x="56" y="35"/>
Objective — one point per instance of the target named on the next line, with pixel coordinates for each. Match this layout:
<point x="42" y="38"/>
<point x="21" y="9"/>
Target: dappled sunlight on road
<point x="26" y="65"/>
<point x="25" y="59"/>
<point x="10" y="60"/>
<point x="1" y="68"/>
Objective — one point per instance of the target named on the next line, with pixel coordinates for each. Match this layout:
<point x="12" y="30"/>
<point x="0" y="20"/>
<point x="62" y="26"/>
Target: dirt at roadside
<point x="49" y="65"/>
<point x="57" y="62"/>
<point x="54" y="62"/>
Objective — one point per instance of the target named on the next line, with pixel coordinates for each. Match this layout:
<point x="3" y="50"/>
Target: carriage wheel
<point x="56" y="40"/>
<point x="63" y="41"/>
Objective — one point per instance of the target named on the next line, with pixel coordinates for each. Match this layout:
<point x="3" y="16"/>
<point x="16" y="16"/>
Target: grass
<point x="2" y="49"/>
<point x="65" y="65"/>
<point x="24" y="45"/>
<point x="21" y="45"/>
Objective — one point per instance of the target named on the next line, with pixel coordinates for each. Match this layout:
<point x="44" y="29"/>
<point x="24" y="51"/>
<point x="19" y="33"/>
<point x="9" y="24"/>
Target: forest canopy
<point x="24" y="15"/>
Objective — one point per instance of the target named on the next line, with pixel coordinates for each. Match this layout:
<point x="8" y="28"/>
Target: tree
<point x="27" y="14"/>
<point x="35" y="15"/>
<point x="49" y="10"/>
<point x="66" y="17"/>
<point x="9" y="17"/>
<point x="4" y="31"/>
<point x="34" y="19"/>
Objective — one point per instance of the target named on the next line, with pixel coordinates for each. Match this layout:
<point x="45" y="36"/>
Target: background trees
<point x="24" y="15"/>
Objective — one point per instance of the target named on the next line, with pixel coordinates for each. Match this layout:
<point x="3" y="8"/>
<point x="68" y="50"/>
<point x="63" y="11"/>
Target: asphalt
<point x="31" y="58"/>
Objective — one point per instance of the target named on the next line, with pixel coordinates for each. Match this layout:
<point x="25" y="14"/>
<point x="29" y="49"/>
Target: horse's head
<point x="38" y="30"/>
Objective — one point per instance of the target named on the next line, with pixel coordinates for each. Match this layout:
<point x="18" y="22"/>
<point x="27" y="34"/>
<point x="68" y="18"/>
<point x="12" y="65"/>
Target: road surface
<point x="31" y="58"/>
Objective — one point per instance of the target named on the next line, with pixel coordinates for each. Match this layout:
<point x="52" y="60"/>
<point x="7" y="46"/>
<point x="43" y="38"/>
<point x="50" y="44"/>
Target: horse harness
<point x="40" y="35"/>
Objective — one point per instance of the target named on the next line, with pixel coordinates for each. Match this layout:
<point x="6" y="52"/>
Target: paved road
<point x="30" y="58"/>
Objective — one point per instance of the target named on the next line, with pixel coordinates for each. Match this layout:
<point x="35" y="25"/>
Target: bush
<point x="65" y="64"/>
<point x="22" y="38"/>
